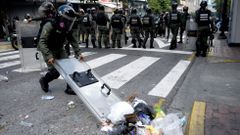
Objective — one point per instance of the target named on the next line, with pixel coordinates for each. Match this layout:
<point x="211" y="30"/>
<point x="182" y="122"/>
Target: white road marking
<point x="3" y="78"/>
<point x="124" y="74"/>
<point x="9" y="64"/>
<point x="11" y="57"/>
<point x="21" y="70"/>
<point x="158" y="50"/>
<point x="8" y="53"/>
<point x="160" y="43"/>
<point x="104" y="60"/>
<point x="163" y="88"/>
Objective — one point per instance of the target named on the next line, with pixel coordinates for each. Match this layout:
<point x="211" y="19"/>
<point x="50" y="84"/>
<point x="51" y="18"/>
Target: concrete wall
<point x="234" y="20"/>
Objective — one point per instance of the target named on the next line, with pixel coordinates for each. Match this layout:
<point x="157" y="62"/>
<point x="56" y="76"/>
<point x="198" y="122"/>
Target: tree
<point x="219" y="5"/>
<point x="159" y="5"/>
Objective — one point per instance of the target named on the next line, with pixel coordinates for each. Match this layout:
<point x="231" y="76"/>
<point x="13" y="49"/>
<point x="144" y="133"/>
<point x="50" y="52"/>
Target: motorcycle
<point x="13" y="39"/>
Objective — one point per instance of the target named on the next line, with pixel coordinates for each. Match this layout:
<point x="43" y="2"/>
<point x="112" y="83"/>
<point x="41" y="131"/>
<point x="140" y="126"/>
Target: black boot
<point x="93" y="43"/>
<point x="99" y="45"/>
<point x="69" y="91"/>
<point x="86" y="44"/>
<point x="44" y="84"/>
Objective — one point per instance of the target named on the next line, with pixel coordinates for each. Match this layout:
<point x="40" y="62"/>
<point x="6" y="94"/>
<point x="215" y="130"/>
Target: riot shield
<point x="191" y="34"/>
<point x="31" y="59"/>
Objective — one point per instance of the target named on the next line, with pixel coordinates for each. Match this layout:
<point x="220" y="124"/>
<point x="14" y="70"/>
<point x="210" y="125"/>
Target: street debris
<point x="136" y="117"/>
<point x="47" y="97"/>
<point x="26" y="124"/>
<point x="71" y="105"/>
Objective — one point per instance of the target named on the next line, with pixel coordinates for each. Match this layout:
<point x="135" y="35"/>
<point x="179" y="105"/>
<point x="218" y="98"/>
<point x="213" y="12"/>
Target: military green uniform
<point x="148" y="25"/>
<point x="184" y="18"/>
<point x="174" y="23"/>
<point x="117" y="30"/>
<point x="88" y="29"/>
<point x="135" y="29"/>
<point x="204" y="30"/>
<point x="103" y="30"/>
<point x="51" y="44"/>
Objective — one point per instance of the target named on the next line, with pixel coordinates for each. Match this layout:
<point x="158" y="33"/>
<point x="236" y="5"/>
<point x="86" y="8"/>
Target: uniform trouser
<point x="103" y="33"/>
<point x="167" y="28"/>
<point x="162" y="29"/>
<point x="201" y="43"/>
<point x="116" y="35"/>
<point x="135" y="32"/>
<point x="52" y="72"/>
<point x="89" y="31"/>
<point x="182" y="29"/>
<point x="148" y="31"/>
<point x="174" y="29"/>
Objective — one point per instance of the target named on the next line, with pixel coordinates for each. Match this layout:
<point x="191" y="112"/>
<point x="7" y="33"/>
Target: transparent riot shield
<point x="191" y="35"/>
<point x="31" y="59"/>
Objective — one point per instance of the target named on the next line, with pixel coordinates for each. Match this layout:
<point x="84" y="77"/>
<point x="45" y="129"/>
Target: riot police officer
<point x="184" y="18"/>
<point x="148" y="25"/>
<point x="51" y="43"/>
<point x="103" y="30"/>
<point x="117" y="28"/>
<point x="174" y="22"/>
<point x="87" y="21"/>
<point x="135" y="27"/>
<point x="124" y="20"/>
<point x="205" y="29"/>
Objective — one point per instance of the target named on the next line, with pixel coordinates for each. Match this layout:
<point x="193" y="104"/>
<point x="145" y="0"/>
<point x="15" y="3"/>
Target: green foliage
<point x="219" y="5"/>
<point x="159" y="5"/>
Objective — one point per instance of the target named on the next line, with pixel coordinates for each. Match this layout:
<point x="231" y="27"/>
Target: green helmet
<point x="203" y="4"/>
<point x="174" y="5"/>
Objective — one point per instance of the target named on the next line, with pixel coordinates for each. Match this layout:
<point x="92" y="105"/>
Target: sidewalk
<point x="5" y="45"/>
<point x="215" y="82"/>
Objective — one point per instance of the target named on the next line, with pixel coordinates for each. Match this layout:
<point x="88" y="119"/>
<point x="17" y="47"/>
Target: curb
<point x="197" y="119"/>
<point x="5" y="46"/>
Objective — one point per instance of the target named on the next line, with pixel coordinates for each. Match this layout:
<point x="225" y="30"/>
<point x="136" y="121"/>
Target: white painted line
<point x="104" y="60"/>
<point x="88" y="53"/>
<point x="158" y="50"/>
<point x="21" y="70"/>
<point x="84" y="54"/>
<point x="3" y="78"/>
<point x="124" y="74"/>
<point x="9" y="64"/>
<point x="11" y="57"/>
<point x="131" y="45"/>
<point x="163" y="88"/>
<point x="8" y="53"/>
<point x="160" y="43"/>
<point x="6" y="50"/>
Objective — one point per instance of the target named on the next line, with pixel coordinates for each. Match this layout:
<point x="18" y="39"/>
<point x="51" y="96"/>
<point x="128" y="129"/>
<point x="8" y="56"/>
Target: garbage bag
<point x="118" y="111"/>
<point x="120" y="128"/>
<point x="142" y="108"/>
<point x="170" y="124"/>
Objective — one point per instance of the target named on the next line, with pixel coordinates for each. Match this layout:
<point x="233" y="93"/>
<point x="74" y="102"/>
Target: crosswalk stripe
<point x="12" y="57"/>
<point x="124" y="74"/>
<point x="163" y="88"/>
<point x="32" y="70"/>
<point x="8" y="53"/>
<point x="157" y="50"/>
<point x="104" y="60"/>
<point x="160" y="43"/>
<point x="3" y="78"/>
<point x="9" y="64"/>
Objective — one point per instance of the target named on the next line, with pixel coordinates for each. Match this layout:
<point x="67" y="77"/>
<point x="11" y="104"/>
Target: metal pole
<point x="224" y="21"/>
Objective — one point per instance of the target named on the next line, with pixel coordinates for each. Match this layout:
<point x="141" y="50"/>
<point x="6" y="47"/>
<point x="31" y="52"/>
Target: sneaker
<point x="69" y="91"/>
<point x="43" y="84"/>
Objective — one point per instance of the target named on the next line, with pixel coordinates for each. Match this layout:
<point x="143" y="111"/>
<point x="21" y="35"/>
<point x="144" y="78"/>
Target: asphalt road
<point x="159" y="75"/>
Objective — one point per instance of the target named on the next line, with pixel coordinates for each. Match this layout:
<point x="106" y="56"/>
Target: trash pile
<point x="136" y="117"/>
